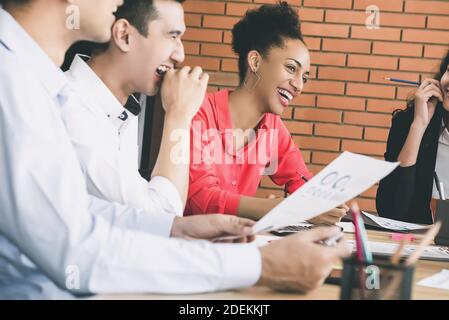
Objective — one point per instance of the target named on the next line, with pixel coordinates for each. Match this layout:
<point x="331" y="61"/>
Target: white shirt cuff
<point x="242" y="265"/>
<point x="168" y="192"/>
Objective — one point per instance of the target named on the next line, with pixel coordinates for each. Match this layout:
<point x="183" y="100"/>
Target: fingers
<point x="320" y="233"/>
<point x="236" y="226"/>
<point x="196" y="73"/>
<point x="271" y="196"/>
<point x="433" y="91"/>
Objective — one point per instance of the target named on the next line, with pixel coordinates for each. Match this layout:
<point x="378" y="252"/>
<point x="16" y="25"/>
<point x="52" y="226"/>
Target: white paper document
<point x="342" y="180"/>
<point x="388" y="249"/>
<point x="438" y="281"/>
<point x="395" y="224"/>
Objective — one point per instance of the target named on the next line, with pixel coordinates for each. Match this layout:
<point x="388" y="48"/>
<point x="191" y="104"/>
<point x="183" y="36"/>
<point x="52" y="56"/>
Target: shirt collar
<point x="19" y="42"/>
<point x="95" y="90"/>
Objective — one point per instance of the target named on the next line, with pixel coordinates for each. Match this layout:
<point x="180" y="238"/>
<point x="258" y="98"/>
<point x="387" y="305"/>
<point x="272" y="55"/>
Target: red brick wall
<point x="347" y="105"/>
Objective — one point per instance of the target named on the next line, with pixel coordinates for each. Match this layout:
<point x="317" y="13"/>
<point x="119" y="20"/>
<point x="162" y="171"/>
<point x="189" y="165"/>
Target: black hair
<point x="262" y="29"/>
<point x="16" y="2"/>
<point x="411" y="101"/>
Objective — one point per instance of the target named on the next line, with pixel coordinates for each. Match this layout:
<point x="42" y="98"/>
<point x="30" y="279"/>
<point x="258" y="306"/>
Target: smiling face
<point x="283" y="72"/>
<point x="161" y="50"/>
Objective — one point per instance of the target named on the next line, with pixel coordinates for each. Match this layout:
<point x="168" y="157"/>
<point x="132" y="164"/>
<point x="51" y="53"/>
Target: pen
<point x="403" y="81"/>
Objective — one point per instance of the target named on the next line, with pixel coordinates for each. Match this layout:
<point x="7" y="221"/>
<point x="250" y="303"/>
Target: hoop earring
<point x="245" y="83"/>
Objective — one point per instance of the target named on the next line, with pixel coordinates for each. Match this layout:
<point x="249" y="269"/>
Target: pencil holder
<point x="442" y="214"/>
<point x="380" y="280"/>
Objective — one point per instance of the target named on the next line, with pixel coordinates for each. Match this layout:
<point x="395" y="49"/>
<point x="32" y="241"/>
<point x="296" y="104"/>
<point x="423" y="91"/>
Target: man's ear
<point x="254" y="60"/>
<point x="121" y="34"/>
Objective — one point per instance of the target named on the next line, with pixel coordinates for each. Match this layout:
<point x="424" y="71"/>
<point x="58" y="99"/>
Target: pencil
<point x="403" y="81"/>
<point x="428" y="238"/>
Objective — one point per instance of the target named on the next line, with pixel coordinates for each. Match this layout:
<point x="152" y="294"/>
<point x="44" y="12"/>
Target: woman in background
<point x="274" y="65"/>
<point x="419" y="140"/>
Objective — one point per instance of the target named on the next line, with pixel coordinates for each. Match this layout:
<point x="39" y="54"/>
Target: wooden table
<point x="423" y="270"/>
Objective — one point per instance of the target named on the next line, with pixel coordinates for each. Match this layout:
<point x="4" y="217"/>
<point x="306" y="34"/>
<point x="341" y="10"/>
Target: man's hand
<point x="331" y="217"/>
<point x="183" y="91"/>
<point x="297" y="263"/>
<point x="212" y="226"/>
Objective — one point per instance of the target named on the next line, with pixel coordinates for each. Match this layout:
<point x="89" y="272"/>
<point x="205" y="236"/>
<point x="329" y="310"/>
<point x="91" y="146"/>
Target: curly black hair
<point x="263" y="28"/>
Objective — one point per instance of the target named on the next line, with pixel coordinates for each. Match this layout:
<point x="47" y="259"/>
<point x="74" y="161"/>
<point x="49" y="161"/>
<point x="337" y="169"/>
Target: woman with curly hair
<point x="238" y="136"/>
<point x="419" y="140"/>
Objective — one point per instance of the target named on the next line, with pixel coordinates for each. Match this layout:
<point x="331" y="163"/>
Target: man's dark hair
<point x="16" y="2"/>
<point x="139" y="13"/>
<point x="262" y="29"/>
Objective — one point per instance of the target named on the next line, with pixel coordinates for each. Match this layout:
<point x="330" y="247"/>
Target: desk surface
<point x="423" y="270"/>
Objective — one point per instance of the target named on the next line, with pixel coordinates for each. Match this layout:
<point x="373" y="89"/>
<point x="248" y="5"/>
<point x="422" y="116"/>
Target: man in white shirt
<point x="56" y="240"/>
<point x="145" y="37"/>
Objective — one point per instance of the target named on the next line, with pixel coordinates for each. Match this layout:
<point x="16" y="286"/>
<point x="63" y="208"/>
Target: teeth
<point x="162" y="69"/>
<point x="285" y="93"/>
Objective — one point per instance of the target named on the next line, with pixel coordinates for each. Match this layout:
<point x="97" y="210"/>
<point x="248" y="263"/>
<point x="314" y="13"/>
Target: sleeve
<point x="395" y="191"/>
<point x="290" y="163"/>
<point x="110" y="176"/>
<point x="205" y="195"/>
<point x="48" y="215"/>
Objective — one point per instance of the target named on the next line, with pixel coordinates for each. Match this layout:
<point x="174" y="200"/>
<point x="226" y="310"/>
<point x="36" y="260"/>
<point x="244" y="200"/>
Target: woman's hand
<point x="426" y="99"/>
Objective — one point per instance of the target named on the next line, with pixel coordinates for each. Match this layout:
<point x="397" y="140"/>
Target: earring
<point x="245" y="83"/>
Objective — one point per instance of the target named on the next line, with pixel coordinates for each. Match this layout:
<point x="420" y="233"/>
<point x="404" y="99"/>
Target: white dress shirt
<point x="104" y="135"/>
<point x="442" y="164"/>
<point x="55" y="239"/>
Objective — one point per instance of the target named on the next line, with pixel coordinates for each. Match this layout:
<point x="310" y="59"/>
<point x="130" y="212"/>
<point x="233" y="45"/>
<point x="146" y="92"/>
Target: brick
<point x="306" y="100"/>
<point x="367" y="119"/>
<point x="370" y="90"/>
<point x="297" y="127"/>
<point x="376" y="134"/>
<point x="217" y="50"/>
<point x="389" y="34"/>
<point x="238" y="9"/>
<point x="205" y="63"/>
<point x="425" y="36"/>
<point x="383" y="106"/>
<point x="213" y="7"/>
<point x="319" y="157"/>
<point x="346" y="74"/>
<point x="338" y="131"/>
<point x="436" y="7"/>
<point x="225" y="79"/>
<point x="318" y="115"/>
<point x="219" y="22"/>
<point x="230" y="65"/>
<point x="398" y="49"/>
<point x="314" y="143"/>
<point x="191" y="48"/>
<point x="424" y="65"/>
<point x="193" y="20"/>
<point x="325" y="30"/>
<point x="374" y="62"/>
<point x="340" y="4"/>
<point x="340" y="102"/>
<point x="437" y="22"/>
<point x="330" y="87"/>
<point x="431" y="51"/>
<point x="384" y="5"/>
<point x="364" y="147"/>
<point x="314" y="15"/>
<point x="344" y="45"/>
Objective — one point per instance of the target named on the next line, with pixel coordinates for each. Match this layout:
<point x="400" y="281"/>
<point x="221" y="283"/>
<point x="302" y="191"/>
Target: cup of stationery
<point x="377" y="280"/>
